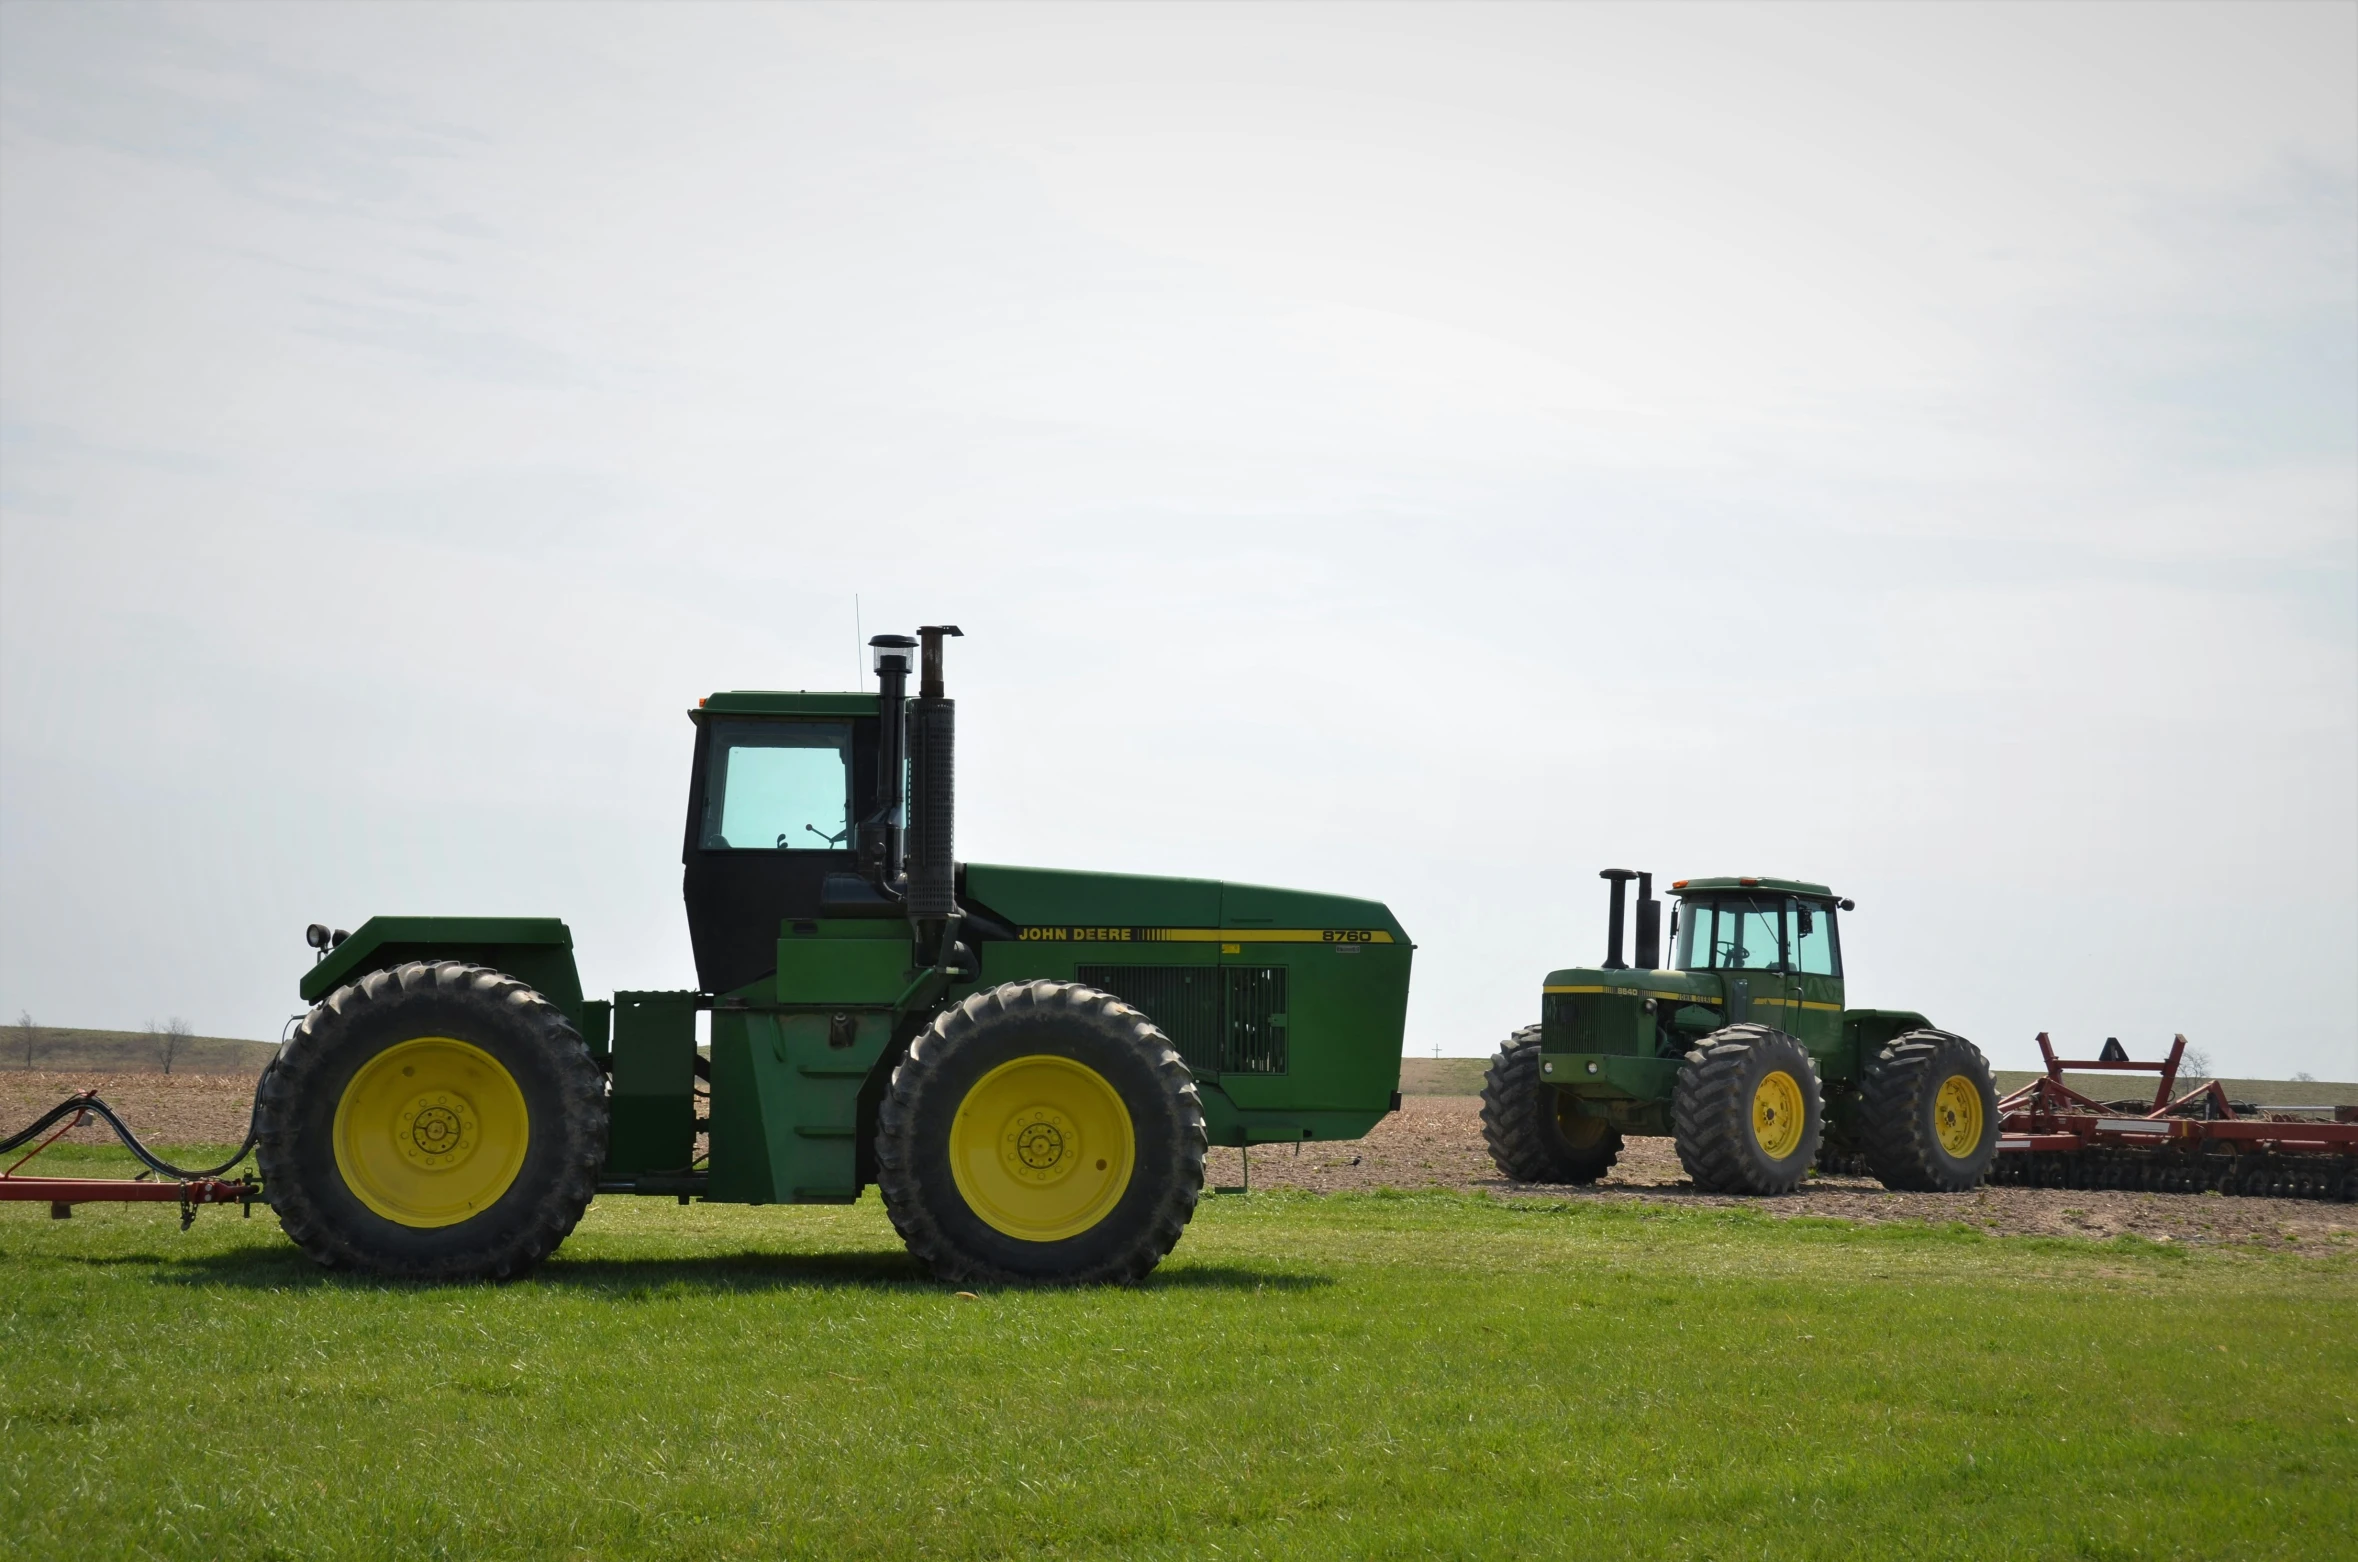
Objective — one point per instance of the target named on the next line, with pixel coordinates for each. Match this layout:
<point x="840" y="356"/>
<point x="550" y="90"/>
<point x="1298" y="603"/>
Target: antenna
<point x="859" y="646"/>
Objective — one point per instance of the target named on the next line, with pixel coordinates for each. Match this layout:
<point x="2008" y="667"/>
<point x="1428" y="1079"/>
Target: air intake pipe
<point x="1620" y="878"/>
<point x="933" y="784"/>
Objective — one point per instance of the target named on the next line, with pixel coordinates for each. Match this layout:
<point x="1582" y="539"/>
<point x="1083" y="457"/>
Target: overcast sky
<point x="1426" y="453"/>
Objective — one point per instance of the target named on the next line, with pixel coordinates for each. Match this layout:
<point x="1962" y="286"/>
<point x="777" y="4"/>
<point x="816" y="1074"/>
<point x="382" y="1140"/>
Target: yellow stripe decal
<point x="1628" y="992"/>
<point x="1204" y="935"/>
<point x="1633" y="992"/>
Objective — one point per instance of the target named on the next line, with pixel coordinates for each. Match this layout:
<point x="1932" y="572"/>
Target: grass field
<point x="1368" y="1375"/>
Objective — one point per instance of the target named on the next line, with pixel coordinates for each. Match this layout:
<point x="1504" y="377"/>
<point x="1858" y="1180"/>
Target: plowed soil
<point x="1431" y="1142"/>
<point x="1436" y="1142"/>
<point x="163" y="1109"/>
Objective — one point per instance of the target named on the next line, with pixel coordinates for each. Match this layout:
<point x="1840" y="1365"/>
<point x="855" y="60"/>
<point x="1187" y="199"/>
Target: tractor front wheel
<point x="1747" y="1111"/>
<point x="1041" y="1132"/>
<point x="432" y="1122"/>
<point x="1535" y="1132"/>
<point x="1928" y="1112"/>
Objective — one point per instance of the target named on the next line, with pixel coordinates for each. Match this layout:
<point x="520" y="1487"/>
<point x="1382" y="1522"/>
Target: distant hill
<point x="128" y="1051"/>
<point x="1463" y="1077"/>
<point x="2260" y="1092"/>
<point x="1442" y="1076"/>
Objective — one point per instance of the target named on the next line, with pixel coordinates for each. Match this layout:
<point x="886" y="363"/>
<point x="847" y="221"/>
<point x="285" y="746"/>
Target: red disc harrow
<point x="2052" y="1136"/>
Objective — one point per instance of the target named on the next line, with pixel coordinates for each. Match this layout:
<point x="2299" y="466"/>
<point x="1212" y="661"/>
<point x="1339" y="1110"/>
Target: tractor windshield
<point x="1758" y="933"/>
<point x="778" y="785"/>
<point x="1737" y="934"/>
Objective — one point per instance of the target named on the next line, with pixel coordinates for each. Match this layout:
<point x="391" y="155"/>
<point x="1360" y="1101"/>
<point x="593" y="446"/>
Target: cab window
<point x="1815" y="950"/>
<point x="778" y="786"/>
<point x="1731" y="935"/>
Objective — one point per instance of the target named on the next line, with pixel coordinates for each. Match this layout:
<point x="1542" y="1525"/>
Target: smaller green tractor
<point x="1741" y="1050"/>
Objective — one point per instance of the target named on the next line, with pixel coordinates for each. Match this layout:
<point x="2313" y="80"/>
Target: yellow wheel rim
<point x="431" y="1132"/>
<point x="1580" y="1130"/>
<point x="1778" y="1115"/>
<point x="1042" y="1148"/>
<point x="1956" y="1116"/>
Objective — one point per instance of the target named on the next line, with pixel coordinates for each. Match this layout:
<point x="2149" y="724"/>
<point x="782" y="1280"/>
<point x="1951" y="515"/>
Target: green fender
<point x="538" y="950"/>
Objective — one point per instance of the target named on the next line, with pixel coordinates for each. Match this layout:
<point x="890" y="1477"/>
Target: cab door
<point x="1749" y="942"/>
<point x="770" y="806"/>
<point x="1815" y="953"/>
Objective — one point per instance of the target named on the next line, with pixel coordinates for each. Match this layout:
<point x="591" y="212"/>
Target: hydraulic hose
<point x="88" y="1101"/>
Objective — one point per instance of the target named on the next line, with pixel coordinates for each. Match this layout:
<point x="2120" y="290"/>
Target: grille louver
<point x="1223" y="1020"/>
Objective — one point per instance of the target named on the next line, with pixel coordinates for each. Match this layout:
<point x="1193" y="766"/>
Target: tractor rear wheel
<point x="1747" y="1111"/>
<point x="432" y="1122"/>
<point x="1041" y="1132"/>
<point x="1535" y="1132"/>
<point x="1928" y="1113"/>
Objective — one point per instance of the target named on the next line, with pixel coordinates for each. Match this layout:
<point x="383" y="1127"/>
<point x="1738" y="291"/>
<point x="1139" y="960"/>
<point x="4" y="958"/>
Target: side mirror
<point x="1809" y="921"/>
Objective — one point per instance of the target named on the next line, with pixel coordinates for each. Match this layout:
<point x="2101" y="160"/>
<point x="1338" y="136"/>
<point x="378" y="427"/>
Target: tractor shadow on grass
<point x="647" y="1279"/>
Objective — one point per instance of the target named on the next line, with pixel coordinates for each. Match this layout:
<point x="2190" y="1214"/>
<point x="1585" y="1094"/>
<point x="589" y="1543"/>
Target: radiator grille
<point x="1254" y="1028"/>
<point x="1223" y="1020"/>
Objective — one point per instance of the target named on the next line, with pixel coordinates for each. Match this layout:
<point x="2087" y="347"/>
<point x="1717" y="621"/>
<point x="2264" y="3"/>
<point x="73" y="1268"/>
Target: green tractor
<point x="1028" y="1063"/>
<point x="1741" y="1050"/>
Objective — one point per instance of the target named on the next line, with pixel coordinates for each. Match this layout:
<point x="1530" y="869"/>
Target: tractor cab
<point x="1777" y="943"/>
<point x="772" y="820"/>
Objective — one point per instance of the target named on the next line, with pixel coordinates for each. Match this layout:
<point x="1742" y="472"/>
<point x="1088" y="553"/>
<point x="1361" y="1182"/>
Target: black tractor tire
<point x="963" y="1048"/>
<point x="1531" y="1137"/>
<point x="1712" y="1111"/>
<point x="1902" y="1115"/>
<point x="556" y="1088"/>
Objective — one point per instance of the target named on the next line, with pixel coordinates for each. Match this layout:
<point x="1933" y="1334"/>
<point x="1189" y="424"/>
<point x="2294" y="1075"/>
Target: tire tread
<point x="1519" y="1122"/>
<point x="1894" y="1125"/>
<point x="284" y="1106"/>
<point x="898" y="1176"/>
<point x="1713" y="1127"/>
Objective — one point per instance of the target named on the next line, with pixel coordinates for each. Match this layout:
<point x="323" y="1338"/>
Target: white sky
<point x="1425" y="453"/>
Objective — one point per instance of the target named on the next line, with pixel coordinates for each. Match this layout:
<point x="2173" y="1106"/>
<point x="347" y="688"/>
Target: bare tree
<point x="2195" y="1065"/>
<point x="2303" y="1076"/>
<point x="26" y="1031"/>
<point x="171" y="1041"/>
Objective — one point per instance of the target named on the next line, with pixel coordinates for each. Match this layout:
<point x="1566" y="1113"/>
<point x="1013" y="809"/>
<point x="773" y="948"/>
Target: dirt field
<point x="1432" y="1142"/>
<point x="160" y="1108"/>
<point x="1463" y="1077"/>
<point x="1436" y="1142"/>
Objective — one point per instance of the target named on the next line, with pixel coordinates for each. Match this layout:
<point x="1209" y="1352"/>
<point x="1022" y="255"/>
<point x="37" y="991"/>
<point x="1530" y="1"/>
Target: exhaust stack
<point x="1649" y="925"/>
<point x="881" y="840"/>
<point x="933" y="781"/>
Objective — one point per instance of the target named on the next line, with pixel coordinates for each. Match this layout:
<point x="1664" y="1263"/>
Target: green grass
<point x="1427" y="1375"/>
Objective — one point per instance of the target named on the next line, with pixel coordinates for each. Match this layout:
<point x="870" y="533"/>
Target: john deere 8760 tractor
<point x="1028" y="1062"/>
<point x="1741" y="1050"/>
